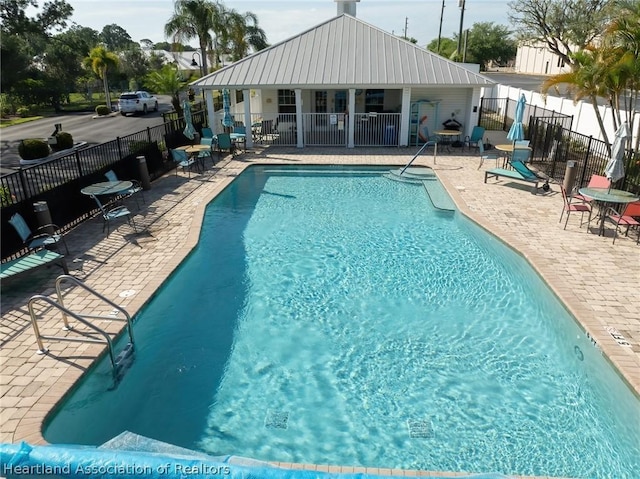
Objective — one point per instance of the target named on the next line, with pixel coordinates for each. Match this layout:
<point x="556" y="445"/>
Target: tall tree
<point x="194" y="19"/>
<point x="116" y="38"/>
<point x="489" y="42"/>
<point x="623" y="37"/>
<point x="563" y="26"/>
<point x="448" y="46"/>
<point x="53" y="16"/>
<point x="100" y="61"/>
<point x="241" y="34"/>
<point x="584" y="81"/>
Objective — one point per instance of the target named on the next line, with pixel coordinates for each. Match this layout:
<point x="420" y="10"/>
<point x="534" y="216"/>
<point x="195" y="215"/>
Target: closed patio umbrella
<point x="227" y="119"/>
<point x="615" y="166"/>
<point x="516" y="132"/>
<point x="189" y="131"/>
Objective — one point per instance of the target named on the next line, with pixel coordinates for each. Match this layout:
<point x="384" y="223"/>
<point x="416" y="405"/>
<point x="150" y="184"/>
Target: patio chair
<point x="596" y="181"/>
<point x="111" y="214"/>
<point x="41" y="239"/>
<point x="207" y="133"/>
<point x="136" y="188"/>
<point x="483" y="156"/>
<point x="569" y="206"/>
<point x="627" y="217"/>
<point x="209" y="153"/>
<point x="183" y="161"/>
<point x="225" y="143"/>
<point x="476" y="137"/>
<point x="264" y="130"/>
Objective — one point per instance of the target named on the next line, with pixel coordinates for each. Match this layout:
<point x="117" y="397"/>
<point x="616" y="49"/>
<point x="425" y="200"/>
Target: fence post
<point x="149" y="134"/>
<point x="504" y="120"/>
<point x="119" y="147"/>
<point x="480" y="112"/>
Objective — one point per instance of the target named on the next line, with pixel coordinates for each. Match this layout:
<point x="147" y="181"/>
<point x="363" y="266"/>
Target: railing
<point x="553" y="146"/>
<point x="118" y="363"/>
<point x="498" y="114"/>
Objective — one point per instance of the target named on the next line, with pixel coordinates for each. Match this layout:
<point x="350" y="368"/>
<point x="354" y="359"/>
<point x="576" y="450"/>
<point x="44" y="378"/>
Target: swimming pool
<point x="336" y="317"/>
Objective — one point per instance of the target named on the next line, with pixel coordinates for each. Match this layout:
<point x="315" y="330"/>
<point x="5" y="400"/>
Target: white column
<point x="473" y="114"/>
<point x="246" y="99"/>
<point x="351" y="118"/>
<point x="299" y="132"/>
<point x="405" y="113"/>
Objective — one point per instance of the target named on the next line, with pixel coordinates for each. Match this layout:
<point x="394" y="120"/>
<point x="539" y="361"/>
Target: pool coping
<point x="27" y="424"/>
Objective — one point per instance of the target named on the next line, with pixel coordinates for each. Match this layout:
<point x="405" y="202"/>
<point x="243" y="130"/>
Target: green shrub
<point x="33" y="149"/>
<point x="102" y="110"/>
<point x="64" y="141"/>
<point x="140" y="146"/>
<point x="23" y="112"/>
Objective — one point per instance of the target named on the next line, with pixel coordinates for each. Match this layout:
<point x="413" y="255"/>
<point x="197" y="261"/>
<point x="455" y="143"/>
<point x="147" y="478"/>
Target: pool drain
<point x="419" y="428"/>
<point x="276" y="419"/>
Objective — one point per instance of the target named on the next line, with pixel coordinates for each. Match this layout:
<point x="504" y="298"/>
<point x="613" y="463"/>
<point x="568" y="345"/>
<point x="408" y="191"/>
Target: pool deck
<point x="596" y="280"/>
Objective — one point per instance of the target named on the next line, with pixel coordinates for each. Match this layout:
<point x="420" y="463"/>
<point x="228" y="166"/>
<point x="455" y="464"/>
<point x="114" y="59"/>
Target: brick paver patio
<point x="596" y="280"/>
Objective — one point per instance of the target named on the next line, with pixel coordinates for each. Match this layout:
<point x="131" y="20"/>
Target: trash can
<point x="570" y="176"/>
<point x="43" y="216"/>
<point x="143" y="171"/>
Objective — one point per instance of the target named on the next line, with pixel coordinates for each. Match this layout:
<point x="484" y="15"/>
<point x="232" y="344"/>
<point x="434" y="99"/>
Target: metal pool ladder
<point x="122" y="361"/>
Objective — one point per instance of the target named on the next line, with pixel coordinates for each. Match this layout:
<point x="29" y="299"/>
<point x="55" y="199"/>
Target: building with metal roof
<point x="301" y="90"/>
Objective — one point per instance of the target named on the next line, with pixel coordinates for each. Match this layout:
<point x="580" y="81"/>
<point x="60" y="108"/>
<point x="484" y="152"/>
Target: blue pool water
<point x="336" y="317"/>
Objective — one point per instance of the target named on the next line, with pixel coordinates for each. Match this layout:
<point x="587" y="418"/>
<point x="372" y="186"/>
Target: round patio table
<point x="107" y="188"/>
<point x="604" y="197"/>
<point x="448" y="137"/>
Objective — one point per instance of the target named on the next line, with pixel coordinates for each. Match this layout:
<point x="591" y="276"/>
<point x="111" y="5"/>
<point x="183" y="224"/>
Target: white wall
<point x="584" y="116"/>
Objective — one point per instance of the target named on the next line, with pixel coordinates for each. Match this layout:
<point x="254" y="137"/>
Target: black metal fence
<point x="58" y="181"/>
<point x="498" y="114"/>
<point x="554" y="146"/>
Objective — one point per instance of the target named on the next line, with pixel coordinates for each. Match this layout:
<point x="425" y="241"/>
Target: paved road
<point x="82" y="126"/>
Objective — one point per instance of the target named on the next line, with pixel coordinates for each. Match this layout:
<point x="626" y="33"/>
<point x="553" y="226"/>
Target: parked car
<point x="137" y="101"/>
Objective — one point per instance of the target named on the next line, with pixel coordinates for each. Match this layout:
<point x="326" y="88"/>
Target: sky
<point x="145" y="19"/>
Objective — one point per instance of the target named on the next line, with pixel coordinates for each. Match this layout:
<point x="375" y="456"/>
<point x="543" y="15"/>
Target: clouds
<point x="284" y="19"/>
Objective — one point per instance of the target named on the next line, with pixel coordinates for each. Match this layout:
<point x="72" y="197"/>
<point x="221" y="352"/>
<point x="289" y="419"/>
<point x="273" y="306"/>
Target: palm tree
<point x="243" y="34"/>
<point x="194" y="19"/>
<point x="101" y="61"/>
<point x="167" y="81"/>
<point x="623" y="34"/>
<point x="584" y="81"/>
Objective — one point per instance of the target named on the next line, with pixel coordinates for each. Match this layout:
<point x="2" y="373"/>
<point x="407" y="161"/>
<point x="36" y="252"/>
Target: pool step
<point x="438" y="195"/>
<point x="413" y="174"/>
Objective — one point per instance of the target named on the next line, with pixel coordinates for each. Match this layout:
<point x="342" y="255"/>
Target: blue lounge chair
<point x="519" y="172"/>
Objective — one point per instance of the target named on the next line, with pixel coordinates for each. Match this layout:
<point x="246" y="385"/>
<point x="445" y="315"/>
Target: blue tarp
<point x="157" y="461"/>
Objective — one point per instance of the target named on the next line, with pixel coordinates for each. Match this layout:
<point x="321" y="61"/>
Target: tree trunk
<point x="107" y="97"/>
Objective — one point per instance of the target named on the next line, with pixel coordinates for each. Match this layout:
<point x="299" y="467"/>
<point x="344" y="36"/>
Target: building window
<point x="239" y="96"/>
<point x="374" y="101"/>
<point x="286" y="101"/>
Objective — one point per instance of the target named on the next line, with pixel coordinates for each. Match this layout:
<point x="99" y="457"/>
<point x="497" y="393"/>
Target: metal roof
<point x="342" y="52"/>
